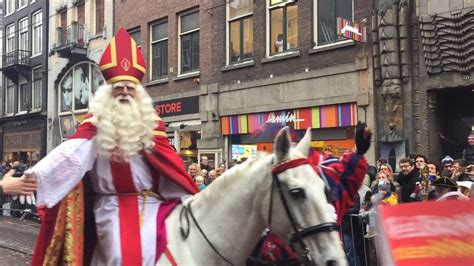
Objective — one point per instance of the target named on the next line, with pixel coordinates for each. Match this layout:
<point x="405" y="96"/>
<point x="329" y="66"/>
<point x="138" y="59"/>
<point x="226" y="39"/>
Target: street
<point x="17" y="240"/>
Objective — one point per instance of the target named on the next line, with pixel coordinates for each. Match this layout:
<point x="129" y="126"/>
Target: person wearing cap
<point x="447" y="164"/>
<point x="102" y="193"/>
<point x="447" y="189"/>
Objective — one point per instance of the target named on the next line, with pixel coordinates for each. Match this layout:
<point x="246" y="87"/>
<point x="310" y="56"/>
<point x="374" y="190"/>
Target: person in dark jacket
<point x="352" y="234"/>
<point x="407" y="179"/>
<point x="468" y="153"/>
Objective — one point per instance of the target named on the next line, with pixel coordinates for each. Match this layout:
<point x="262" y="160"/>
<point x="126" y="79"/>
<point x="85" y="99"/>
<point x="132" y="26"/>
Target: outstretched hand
<point x="18" y="186"/>
<point x="363" y="136"/>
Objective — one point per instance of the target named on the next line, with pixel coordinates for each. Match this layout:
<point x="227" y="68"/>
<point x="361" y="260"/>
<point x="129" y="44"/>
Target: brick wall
<point x="362" y="9"/>
<point x="142" y="13"/>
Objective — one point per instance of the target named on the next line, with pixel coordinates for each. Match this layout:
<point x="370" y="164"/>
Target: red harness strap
<point x="130" y="239"/>
<point x="288" y="164"/>
<point x="170" y="257"/>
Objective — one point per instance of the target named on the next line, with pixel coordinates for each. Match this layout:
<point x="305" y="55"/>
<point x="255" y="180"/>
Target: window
<point x="189" y="42"/>
<point x="22" y="3"/>
<point x="283" y="25"/>
<point x="10" y="97"/>
<point x="136" y="36"/>
<point x="81" y="19"/>
<point x="23" y="34"/>
<point x="99" y="16"/>
<point x="10" y="6"/>
<point x="75" y="88"/>
<point x="24" y="99"/>
<point x="240" y="27"/>
<point x="37" y="88"/>
<point x="10" y="35"/>
<point x="37" y="32"/>
<point x="327" y="12"/>
<point x="159" y="50"/>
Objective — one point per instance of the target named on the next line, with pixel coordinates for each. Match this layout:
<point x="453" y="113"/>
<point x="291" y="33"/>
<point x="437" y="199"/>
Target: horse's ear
<point x="305" y="143"/>
<point x="282" y="144"/>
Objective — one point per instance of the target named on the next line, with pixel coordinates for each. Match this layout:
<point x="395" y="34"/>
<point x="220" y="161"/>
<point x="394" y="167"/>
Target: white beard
<point x="123" y="129"/>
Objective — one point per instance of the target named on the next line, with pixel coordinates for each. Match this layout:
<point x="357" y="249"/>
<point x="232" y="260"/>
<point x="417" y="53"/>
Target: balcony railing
<point x="72" y="35"/>
<point x="17" y="57"/>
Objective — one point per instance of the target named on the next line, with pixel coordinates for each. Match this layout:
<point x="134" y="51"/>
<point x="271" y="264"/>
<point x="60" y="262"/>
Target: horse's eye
<point x="297" y="193"/>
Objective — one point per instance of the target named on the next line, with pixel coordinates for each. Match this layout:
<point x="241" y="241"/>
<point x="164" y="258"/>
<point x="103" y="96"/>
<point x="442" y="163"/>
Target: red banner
<point x="430" y="233"/>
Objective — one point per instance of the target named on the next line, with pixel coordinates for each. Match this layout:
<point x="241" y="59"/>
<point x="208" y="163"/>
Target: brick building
<point x="258" y="61"/>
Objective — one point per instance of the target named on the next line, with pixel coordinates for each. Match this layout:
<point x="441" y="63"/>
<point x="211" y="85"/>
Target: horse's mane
<point x="231" y="177"/>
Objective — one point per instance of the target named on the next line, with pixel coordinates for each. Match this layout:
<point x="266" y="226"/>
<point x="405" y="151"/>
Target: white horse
<point x="233" y="212"/>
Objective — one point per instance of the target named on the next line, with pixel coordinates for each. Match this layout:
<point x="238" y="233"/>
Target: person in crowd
<point x="420" y="161"/>
<point x="468" y="152"/>
<point x="383" y="196"/>
<point x="121" y="160"/>
<point x="447" y="163"/>
<point x="465" y="187"/>
<point x="199" y="180"/>
<point x="204" y="174"/>
<point x="221" y="169"/>
<point x="205" y="164"/>
<point x="447" y="189"/>
<point x="11" y="185"/>
<point x="193" y="170"/>
<point x="212" y="175"/>
<point x="407" y="179"/>
<point x="459" y="171"/>
<point x="433" y="170"/>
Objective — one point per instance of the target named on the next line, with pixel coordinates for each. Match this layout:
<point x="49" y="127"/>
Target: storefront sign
<point x="329" y="116"/>
<point x="283" y="119"/>
<point x="429" y="233"/>
<point x="183" y="106"/>
<point x="24" y="141"/>
<point x="351" y="30"/>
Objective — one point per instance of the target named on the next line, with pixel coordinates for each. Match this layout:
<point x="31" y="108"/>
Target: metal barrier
<point x="360" y="251"/>
<point x="23" y="207"/>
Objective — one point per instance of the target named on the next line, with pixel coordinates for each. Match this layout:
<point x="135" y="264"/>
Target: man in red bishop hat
<point x="102" y="193"/>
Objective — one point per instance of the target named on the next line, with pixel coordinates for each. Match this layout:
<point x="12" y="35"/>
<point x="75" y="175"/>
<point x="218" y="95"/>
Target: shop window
<point x="240" y="30"/>
<point x="326" y="14"/>
<point x="159" y="50"/>
<point x="189" y="42"/>
<point x="37" y="97"/>
<point x="283" y="25"/>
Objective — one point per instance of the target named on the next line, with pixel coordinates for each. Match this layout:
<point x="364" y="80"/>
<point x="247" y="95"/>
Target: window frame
<point x="10" y="36"/>
<point x="37" y="27"/>
<point x="241" y="19"/>
<point x="33" y="95"/>
<point x="152" y="43"/>
<point x="23" y="32"/>
<point x="315" y="28"/>
<point x="181" y="34"/>
<point x="22" y="6"/>
<point x="19" y="98"/>
<point x="135" y="30"/>
<point x="99" y="14"/>
<point x="73" y="110"/>
<point x="8" y="4"/>
<point x="13" y="102"/>
<point x="269" y="9"/>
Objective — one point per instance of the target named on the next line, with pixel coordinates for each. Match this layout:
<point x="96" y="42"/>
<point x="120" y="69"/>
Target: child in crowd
<point x="199" y="180"/>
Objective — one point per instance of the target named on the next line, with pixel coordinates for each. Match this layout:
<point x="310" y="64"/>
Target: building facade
<point x="422" y="76"/>
<point x="79" y="32"/>
<point x="176" y="42"/>
<point x="219" y="71"/>
<point x="287" y="63"/>
<point x="24" y="84"/>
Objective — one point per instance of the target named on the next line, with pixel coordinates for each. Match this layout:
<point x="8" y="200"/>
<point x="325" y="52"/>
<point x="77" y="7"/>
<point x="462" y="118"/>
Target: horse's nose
<point x="331" y="263"/>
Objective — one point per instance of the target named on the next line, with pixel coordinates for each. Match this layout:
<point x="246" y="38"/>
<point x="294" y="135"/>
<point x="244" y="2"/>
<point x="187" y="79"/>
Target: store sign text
<point x="288" y="118"/>
<point x="183" y="106"/>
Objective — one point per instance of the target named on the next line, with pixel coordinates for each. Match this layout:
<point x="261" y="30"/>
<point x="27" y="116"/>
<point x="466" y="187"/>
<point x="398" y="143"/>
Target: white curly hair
<point x="123" y="129"/>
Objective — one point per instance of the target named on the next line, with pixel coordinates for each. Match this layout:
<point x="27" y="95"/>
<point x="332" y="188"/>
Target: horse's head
<point x="307" y="220"/>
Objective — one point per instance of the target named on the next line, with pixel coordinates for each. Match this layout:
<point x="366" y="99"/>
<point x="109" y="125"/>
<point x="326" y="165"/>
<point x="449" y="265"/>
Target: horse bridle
<point x="297" y="236"/>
